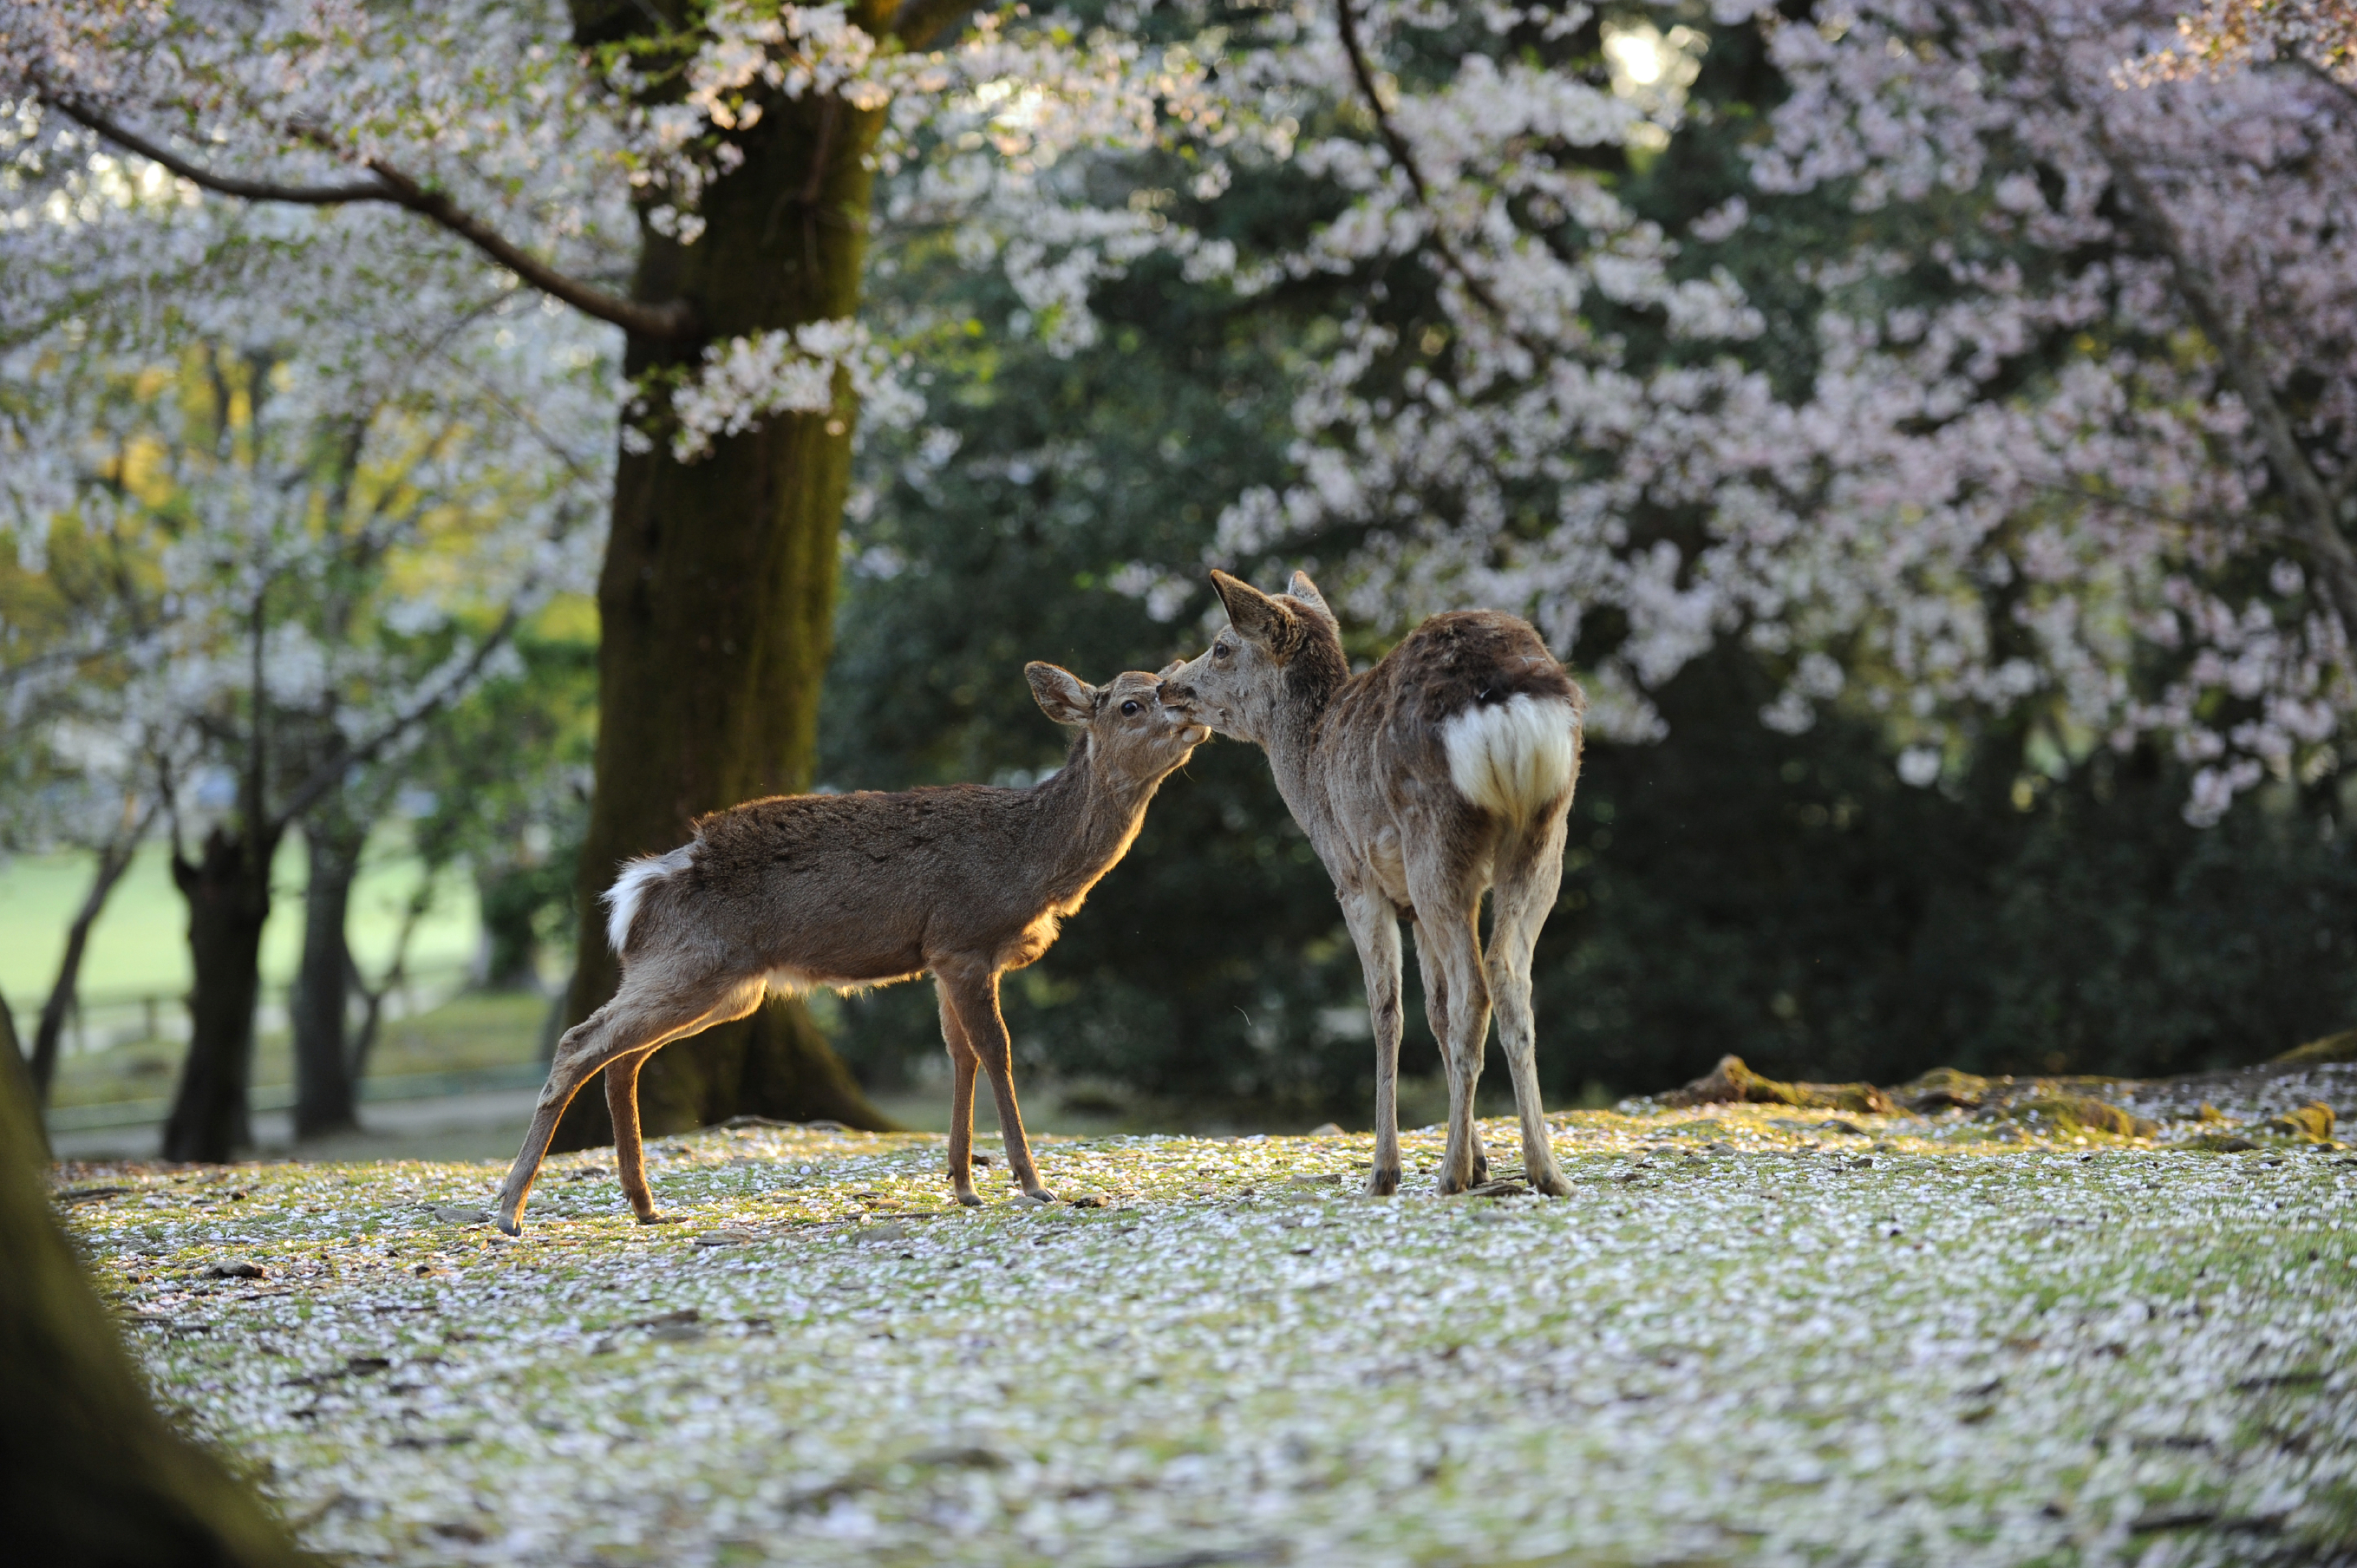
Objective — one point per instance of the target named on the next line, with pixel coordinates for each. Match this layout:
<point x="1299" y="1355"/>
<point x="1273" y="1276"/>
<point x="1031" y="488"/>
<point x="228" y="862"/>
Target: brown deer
<point x="849" y="891"/>
<point x="1443" y="772"/>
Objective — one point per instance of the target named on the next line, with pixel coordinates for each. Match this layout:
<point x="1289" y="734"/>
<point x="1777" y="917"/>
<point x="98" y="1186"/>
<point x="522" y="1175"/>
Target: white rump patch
<point x="621" y="899"/>
<point x="1514" y="758"/>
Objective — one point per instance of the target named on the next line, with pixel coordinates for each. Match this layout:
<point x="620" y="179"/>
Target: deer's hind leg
<point x="1530" y="870"/>
<point x="648" y="1011"/>
<point x="1435" y="1013"/>
<point x="1374" y="928"/>
<point x="1447" y="908"/>
<point x="964" y="1064"/>
<point x="630" y="1150"/>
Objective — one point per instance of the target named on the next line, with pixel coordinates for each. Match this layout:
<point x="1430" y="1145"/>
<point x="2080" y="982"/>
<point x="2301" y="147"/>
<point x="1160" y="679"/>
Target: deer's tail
<point x="629" y="889"/>
<point x="1514" y="758"/>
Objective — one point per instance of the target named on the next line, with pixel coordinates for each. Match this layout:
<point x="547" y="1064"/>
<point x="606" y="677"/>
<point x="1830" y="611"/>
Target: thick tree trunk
<point x="92" y="1474"/>
<point x="227" y="892"/>
<point x="325" y="1088"/>
<point x="717" y="599"/>
<point x="49" y="1035"/>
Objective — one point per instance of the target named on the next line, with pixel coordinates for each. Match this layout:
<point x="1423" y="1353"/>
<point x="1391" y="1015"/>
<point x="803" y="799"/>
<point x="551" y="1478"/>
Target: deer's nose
<point x="1174" y="696"/>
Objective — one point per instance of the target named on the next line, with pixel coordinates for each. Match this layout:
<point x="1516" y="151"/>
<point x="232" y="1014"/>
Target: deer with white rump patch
<point x="1443" y="772"/>
<point x="849" y="891"/>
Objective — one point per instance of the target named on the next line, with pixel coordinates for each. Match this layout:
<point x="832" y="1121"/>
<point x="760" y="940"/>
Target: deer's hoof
<point x="511" y="1227"/>
<point x="654" y="1218"/>
<point x="1382" y="1181"/>
<point x="1450" y="1184"/>
<point x="971" y="1199"/>
<point x="1551" y="1184"/>
<point x="1038" y="1194"/>
<point x="1480" y="1169"/>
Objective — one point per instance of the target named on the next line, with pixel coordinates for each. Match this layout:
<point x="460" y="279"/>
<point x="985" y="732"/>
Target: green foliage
<point x="506" y="787"/>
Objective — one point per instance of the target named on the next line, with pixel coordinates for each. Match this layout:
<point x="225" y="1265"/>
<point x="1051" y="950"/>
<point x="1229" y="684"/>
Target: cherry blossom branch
<point x="2312" y="504"/>
<point x="2316" y="515"/>
<point x="330" y="773"/>
<point x="1404" y="155"/>
<point x="668" y="319"/>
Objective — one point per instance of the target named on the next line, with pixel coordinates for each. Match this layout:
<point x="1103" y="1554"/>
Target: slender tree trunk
<point x="92" y="1474"/>
<point x="324" y="1085"/>
<point x="510" y="898"/>
<point x="19" y="1083"/>
<point x="227" y="890"/>
<point x="112" y="861"/>
<point x="717" y="600"/>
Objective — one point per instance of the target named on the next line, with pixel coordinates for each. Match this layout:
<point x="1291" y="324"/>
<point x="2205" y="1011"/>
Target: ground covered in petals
<point x="1750" y="1336"/>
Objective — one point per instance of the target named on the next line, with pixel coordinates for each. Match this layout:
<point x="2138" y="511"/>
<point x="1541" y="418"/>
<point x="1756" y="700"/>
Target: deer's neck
<point x="1296" y="733"/>
<point x="1087" y="817"/>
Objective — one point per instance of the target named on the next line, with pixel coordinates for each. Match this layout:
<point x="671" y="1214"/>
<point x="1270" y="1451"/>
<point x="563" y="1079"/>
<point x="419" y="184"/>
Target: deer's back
<point x="860" y="887"/>
<point x="1453" y="663"/>
<point x="1467" y="726"/>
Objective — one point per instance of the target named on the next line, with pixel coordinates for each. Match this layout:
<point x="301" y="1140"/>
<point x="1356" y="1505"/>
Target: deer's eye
<point x="1220" y="650"/>
<point x="1129" y="707"/>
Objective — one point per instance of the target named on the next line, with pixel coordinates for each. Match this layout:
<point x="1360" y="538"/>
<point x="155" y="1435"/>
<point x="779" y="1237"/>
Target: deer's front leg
<point x="963" y="1066"/>
<point x="972" y="992"/>
<point x="1374" y="928"/>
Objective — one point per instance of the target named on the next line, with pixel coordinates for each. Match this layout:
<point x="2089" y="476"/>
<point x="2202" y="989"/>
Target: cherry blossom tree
<point x="291" y="556"/>
<point x="2044" y="422"/>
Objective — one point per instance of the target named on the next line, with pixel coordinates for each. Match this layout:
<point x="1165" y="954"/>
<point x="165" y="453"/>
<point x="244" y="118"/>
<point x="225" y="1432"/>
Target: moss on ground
<point x="1745" y="1337"/>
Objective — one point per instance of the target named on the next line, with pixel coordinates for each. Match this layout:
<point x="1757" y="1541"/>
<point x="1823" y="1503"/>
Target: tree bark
<point x="509" y="898"/>
<point x="20" y="1084"/>
<point x="717" y="598"/>
<point x="89" y="1472"/>
<point x="325" y="1087"/>
<point x="113" y="860"/>
<point x="227" y="890"/>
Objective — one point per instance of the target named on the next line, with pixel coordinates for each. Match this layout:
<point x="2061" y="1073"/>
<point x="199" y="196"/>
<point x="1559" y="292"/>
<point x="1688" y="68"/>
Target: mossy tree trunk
<point x="89" y="1472"/>
<point x="717" y="595"/>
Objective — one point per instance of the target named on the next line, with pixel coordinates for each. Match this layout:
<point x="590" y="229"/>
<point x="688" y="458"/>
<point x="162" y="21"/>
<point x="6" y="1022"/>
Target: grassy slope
<point x="1755" y="1342"/>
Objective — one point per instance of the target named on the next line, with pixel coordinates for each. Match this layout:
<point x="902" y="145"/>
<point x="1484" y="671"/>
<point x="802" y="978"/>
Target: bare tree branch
<point x="669" y="319"/>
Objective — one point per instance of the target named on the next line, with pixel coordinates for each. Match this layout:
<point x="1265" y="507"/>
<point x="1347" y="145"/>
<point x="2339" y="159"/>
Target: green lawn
<point x="1747" y="1338"/>
<point x="140" y="948"/>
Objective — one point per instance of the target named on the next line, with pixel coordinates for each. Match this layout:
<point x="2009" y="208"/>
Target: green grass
<point x="139" y="947"/>
<point x="472" y="1031"/>
<point x="1743" y="1339"/>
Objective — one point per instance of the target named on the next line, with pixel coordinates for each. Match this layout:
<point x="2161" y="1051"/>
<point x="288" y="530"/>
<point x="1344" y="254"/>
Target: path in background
<point x="482" y="1126"/>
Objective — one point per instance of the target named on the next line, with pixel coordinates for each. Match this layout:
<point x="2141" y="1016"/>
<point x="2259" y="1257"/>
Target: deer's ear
<point x="1306" y="591"/>
<point x="1170" y="669"/>
<point x="1063" y="695"/>
<point x="1256" y="617"/>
